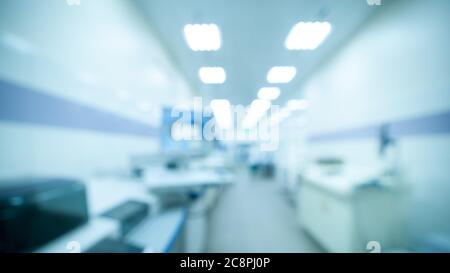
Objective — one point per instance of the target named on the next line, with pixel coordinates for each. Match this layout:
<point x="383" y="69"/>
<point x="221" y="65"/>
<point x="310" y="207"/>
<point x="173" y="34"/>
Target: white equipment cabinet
<point x="345" y="212"/>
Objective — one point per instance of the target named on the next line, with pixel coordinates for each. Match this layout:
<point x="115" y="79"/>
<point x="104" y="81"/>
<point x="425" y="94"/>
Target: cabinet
<point x="344" y="213"/>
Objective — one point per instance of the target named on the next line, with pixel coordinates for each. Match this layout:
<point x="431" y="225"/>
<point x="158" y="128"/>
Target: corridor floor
<point x="254" y="215"/>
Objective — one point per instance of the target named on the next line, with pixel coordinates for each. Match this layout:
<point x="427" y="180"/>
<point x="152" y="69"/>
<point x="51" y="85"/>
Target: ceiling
<point x="253" y="35"/>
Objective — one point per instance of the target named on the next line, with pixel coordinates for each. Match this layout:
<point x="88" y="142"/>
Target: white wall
<point x="101" y="54"/>
<point x="397" y="66"/>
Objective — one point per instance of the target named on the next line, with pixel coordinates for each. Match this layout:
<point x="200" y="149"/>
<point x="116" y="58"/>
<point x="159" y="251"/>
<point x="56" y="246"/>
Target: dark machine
<point x="35" y="211"/>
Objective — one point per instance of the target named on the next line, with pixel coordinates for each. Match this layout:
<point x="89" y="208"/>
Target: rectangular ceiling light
<point x="222" y="113"/>
<point x="212" y="75"/>
<point x="203" y="37"/>
<point x="269" y="93"/>
<point x="307" y="35"/>
<point x="259" y="105"/>
<point x="281" y="74"/>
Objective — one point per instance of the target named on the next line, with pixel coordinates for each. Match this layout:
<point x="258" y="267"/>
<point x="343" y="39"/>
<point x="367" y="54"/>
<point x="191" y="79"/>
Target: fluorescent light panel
<point x="203" y="37"/>
<point x="307" y="35"/>
<point x="222" y="113"/>
<point x="281" y="74"/>
<point x="212" y="75"/>
<point x="260" y="106"/>
<point x="269" y="93"/>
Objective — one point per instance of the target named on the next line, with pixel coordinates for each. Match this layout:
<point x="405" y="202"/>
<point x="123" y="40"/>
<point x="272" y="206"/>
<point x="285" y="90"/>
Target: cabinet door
<point x="327" y="217"/>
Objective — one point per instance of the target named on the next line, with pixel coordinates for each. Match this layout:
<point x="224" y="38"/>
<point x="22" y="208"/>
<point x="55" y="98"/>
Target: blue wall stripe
<point x="432" y="124"/>
<point x="429" y="124"/>
<point x="22" y="104"/>
<point x="363" y="132"/>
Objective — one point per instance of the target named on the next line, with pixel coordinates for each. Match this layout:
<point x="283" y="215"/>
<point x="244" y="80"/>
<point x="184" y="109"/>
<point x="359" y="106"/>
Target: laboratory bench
<point x="165" y="228"/>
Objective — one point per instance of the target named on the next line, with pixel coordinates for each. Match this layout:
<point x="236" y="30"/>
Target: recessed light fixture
<point x="307" y="35"/>
<point x="212" y="75"/>
<point x="260" y="106"/>
<point x="222" y="113"/>
<point x="203" y="37"/>
<point x="269" y="93"/>
<point x="281" y="74"/>
<point x="295" y="105"/>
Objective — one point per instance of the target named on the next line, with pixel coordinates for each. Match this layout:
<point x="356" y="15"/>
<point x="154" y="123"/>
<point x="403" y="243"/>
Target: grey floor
<point x="254" y="215"/>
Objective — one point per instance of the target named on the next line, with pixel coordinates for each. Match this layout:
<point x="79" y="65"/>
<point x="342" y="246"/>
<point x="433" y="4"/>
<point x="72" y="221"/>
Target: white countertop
<point x="105" y="193"/>
<point x="159" y="232"/>
<point x="156" y="234"/>
<point x="343" y="183"/>
<point x="157" y="179"/>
